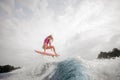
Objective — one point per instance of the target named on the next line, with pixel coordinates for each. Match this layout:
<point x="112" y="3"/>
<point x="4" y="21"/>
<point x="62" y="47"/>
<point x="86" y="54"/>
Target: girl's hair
<point x="50" y="36"/>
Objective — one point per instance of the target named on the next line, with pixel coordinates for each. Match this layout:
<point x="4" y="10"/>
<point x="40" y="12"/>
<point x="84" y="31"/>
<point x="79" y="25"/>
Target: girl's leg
<point x="44" y="47"/>
<point x="54" y="49"/>
<point x="44" y="50"/>
<point x="51" y="47"/>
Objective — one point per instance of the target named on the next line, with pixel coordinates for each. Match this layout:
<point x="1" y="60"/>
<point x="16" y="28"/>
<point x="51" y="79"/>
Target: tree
<point x="111" y="54"/>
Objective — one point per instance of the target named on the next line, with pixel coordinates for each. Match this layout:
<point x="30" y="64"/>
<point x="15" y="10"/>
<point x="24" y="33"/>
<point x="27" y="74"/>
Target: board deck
<point x="46" y="53"/>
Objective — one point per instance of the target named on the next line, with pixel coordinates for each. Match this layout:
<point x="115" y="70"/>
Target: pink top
<point x="46" y="41"/>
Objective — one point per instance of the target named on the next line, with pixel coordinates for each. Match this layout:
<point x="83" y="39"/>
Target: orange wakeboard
<point x="45" y="53"/>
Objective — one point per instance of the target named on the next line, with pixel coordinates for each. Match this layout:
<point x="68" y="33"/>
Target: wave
<point x="69" y="69"/>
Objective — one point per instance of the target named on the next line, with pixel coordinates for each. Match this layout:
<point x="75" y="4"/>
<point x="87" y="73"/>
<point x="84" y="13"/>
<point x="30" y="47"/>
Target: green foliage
<point x="111" y="54"/>
<point x="7" y="68"/>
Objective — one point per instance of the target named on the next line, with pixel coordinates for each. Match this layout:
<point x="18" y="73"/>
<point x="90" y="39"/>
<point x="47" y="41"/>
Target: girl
<point x="47" y="44"/>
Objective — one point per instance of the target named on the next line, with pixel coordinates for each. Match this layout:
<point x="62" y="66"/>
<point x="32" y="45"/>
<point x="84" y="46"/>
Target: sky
<point x="79" y="27"/>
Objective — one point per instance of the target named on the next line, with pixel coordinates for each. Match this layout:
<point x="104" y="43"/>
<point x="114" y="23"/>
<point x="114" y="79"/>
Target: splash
<point x="70" y="69"/>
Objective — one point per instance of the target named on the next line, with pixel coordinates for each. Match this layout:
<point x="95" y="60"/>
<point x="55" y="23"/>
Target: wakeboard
<point x="46" y="53"/>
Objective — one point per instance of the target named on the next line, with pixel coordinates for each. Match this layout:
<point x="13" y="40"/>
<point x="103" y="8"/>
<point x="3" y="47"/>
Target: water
<point x="69" y="69"/>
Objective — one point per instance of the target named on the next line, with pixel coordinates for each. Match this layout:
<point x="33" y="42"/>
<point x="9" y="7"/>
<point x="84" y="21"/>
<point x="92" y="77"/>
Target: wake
<point x="69" y="69"/>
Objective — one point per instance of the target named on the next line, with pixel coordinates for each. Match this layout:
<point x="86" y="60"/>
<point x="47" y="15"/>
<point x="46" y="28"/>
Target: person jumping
<point x="47" y="44"/>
